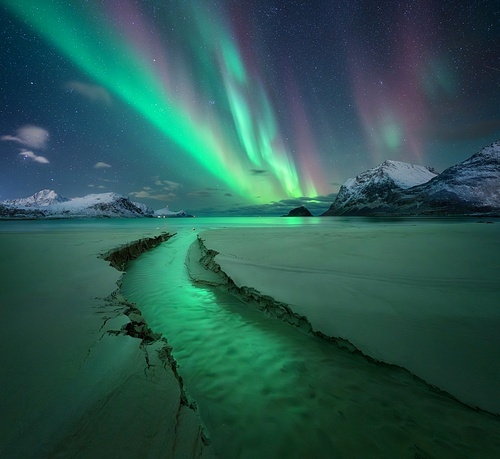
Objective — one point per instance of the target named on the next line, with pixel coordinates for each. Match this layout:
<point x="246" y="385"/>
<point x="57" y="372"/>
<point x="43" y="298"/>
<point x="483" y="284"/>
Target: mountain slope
<point x="371" y="191"/>
<point x="470" y="187"/>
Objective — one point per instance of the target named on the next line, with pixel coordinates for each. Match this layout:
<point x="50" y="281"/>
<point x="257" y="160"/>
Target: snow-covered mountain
<point x="470" y="187"/>
<point x="371" y="191"/>
<point x="48" y="204"/>
<point x="41" y="199"/>
<point x="167" y="213"/>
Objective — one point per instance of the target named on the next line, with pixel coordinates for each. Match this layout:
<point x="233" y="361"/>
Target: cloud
<point x="29" y="155"/>
<point x="90" y="91"/>
<point x="29" y="136"/>
<point x="258" y="171"/>
<point x="201" y="193"/>
<point x="167" y="185"/>
<point x="161" y="190"/>
<point x="101" y="165"/>
<point x="145" y="194"/>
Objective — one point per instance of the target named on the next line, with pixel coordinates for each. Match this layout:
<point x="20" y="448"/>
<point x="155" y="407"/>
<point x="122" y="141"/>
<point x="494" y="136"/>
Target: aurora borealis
<point x="224" y="106"/>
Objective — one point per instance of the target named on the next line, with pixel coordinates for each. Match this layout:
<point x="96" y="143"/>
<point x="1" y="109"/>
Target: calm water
<point x="264" y="389"/>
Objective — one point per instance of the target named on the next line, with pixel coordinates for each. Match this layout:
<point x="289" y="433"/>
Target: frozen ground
<point x="266" y="389"/>
<point x="424" y="296"/>
<point x="69" y="389"/>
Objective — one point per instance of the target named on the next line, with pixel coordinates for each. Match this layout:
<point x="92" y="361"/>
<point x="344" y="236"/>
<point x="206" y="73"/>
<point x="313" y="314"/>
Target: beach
<point x="70" y="388"/>
<point x="232" y="336"/>
<point x="258" y="381"/>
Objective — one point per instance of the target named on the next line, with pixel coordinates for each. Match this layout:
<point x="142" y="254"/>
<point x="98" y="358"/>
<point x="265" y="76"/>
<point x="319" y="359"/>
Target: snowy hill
<point x="47" y="204"/>
<point x="470" y="187"/>
<point x="372" y="190"/>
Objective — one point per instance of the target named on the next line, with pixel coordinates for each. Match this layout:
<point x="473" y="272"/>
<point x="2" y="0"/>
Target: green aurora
<point x="228" y="139"/>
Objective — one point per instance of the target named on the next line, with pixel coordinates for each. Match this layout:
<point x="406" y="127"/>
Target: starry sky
<point x="252" y="107"/>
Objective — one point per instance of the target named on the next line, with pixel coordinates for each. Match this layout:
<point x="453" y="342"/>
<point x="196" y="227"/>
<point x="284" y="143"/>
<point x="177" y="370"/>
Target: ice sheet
<point x="423" y="296"/>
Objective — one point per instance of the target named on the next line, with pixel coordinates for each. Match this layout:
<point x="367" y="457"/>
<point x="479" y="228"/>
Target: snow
<point x="42" y="198"/>
<point x="400" y="174"/>
<point x="392" y="188"/>
<point x="405" y="175"/>
<point x="422" y="296"/>
<point x="90" y="206"/>
<point x="69" y="389"/>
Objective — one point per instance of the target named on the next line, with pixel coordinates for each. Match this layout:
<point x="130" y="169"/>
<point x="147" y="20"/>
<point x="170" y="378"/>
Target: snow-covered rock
<point x="372" y="190"/>
<point x="393" y="188"/>
<point x="146" y="210"/>
<point x="13" y="212"/>
<point x="47" y="204"/>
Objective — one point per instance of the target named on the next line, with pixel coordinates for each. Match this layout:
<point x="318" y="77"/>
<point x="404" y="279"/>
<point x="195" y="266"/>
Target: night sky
<point x="239" y="107"/>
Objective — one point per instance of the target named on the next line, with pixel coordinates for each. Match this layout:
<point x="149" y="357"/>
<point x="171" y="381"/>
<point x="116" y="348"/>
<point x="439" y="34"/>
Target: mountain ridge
<point x="468" y="188"/>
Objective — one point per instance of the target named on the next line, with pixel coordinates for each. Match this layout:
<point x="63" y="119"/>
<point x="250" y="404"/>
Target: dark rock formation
<point x="299" y="212"/>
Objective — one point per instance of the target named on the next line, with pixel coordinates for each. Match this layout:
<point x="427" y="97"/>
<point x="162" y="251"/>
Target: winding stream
<point x="265" y="389"/>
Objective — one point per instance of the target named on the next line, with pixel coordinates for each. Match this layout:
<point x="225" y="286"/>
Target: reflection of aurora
<point x="189" y="79"/>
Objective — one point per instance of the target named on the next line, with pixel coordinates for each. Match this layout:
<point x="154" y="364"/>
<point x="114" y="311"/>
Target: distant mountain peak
<point x="396" y="188"/>
<point x="375" y="187"/>
<point x="42" y="198"/>
<point x="48" y="204"/>
<point x="167" y="213"/>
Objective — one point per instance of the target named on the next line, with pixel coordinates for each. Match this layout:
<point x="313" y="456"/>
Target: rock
<point x="299" y="212"/>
